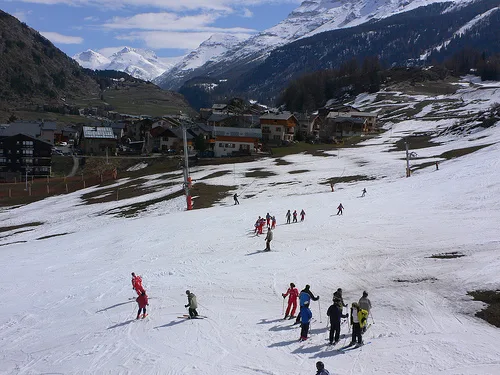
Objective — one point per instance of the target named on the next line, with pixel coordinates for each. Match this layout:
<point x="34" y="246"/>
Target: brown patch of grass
<point x="18" y="232"/>
<point x="281" y="161"/>
<point x="249" y="195"/>
<point x="27" y="225"/>
<point x="319" y="153"/>
<point x="416" y="281"/>
<point x="136" y="208"/>
<point x="415" y="167"/>
<point x="416" y="142"/>
<point x="232" y="160"/>
<point x="451" y="255"/>
<point x="12" y="243"/>
<point x="131" y="189"/>
<point x="214" y="175"/>
<point x="346" y="179"/>
<point x="492" y="313"/>
<point x="259" y="174"/>
<point x="283" y="183"/>
<point x="52" y="235"/>
<point x="461" y="152"/>
<point x="205" y="196"/>
<point x="299" y="171"/>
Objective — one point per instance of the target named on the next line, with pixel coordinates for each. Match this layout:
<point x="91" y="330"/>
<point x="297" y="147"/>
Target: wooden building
<point x="97" y="140"/>
<point x="278" y="128"/>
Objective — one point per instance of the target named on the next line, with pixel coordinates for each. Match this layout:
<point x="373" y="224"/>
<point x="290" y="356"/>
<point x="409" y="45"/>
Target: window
<point x="221" y="144"/>
<point x="28" y="161"/>
<point x="278" y="129"/>
<point x="277" y="138"/>
<point x="27" y="152"/>
<point x="3" y="160"/>
<point x="28" y="143"/>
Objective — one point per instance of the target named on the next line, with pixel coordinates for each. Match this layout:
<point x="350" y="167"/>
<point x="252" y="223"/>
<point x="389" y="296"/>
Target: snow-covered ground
<point x="66" y="304"/>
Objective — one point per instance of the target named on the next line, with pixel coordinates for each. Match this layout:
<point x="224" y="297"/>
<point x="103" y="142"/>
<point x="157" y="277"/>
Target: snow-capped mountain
<point x="140" y="63"/>
<point x="209" y="50"/>
<point x="310" y="18"/>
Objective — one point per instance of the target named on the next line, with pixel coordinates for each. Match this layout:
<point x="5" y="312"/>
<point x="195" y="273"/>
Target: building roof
<point x="354" y="120"/>
<point x="31" y="128"/>
<point x="28" y="136"/>
<point x="276" y="116"/>
<point x="217" y="117"/>
<point x="219" y="106"/>
<point x="237" y="132"/>
<point x="333" y="114"/>
<point x="100" y="132"/>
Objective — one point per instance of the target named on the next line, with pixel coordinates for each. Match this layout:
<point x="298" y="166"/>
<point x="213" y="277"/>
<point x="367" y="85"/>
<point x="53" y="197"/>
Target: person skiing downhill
<point x="293" y="293"/>
<point x="321" y="369"/>
<point x="288" y="216"/>
<point x="268" y="220"/>
<point x="273" y="222"/>
<point x="302" y="215"/>
<point x="363" y="193"/>
<point x="294" y="216"/>
<point x="137" y="284"/>
<point x="192" y="304"/>
<point x="269" y="238"/>
<point x="235" y="197"/>
<point x="305" y="297"/>
<point x="340" y="209"/>
<point x="335" y="314"/>
<point x="142" y="301"/>
<point x="305" y="320"/>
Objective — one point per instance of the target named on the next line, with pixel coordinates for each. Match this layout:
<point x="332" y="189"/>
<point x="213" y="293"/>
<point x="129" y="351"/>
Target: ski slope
<point x="66" y="304"/>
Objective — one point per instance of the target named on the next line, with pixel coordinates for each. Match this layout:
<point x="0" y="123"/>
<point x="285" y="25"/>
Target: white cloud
<point x="247" y="13"/>
<point x="61" y="39"/>
<point x="91" y="19"/>
<point x="22" y="15"/>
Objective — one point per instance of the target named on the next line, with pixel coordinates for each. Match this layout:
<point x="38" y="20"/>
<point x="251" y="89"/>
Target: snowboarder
<point x="365" y="304"/>
<point x="363" y="193"/>
<point x="305" y="320"/>
<point x="358" y="321"/>
<point x="335" y="314"/>
<point x="235" y="197"/>
<point x="302" y="215"/>
<point x="273" y="222"/>
<point x="338" y="299"/>
<point x="294" y="216"/>
<point x="269" y="238"/>
<point x="268" y="220"/>
<point x="293" y="293"/>
<point x="192" y="304"/>
<point x="137" y="284"/>
<point x="305" y="297"/>
<point x="340" y="208"/>
<point x="321" y="369"/>
<point x="288" y="216"/>
<point x="142" y="301"/>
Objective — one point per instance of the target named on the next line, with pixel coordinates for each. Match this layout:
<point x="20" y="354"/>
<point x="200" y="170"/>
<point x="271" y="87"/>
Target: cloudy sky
<point x="169" y="27"/>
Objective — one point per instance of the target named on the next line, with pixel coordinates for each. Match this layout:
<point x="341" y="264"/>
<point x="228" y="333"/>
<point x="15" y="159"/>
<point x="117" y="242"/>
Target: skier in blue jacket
<point x="305" y="297"/>
<point x="305" y="320"/>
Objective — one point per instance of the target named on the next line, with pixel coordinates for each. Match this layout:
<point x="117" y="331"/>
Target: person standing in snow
<point x="356" y="325"/>
<point x="261" y="225"/>
<point x="302" y="215"/>
<point x="293" y="293"/>
<point x="269" y="238"/>
<point x="268" y="220"/>
<point x="365" y="304"/>
<point x="137" y="284"/>
<point x="294" y="216"/>
<point x="338" y="299"/>
<point x="331" y="185"/>
<point x="321" y="369"/>
<point x="340" y="209"/>
<point x="335" y="314"/>
<point x="192" y="304"/>
<point x="142" y="301"/>
<point x="256" y="225"/>
<point x="363" y="193"/>
<point x="437" y="165"/>
<point x="305" y="320"/>
<point x="235" y="197"/>
<point x="288" y="216"/>
<point x="273" y="222"/>
<point x="305" y="297"/>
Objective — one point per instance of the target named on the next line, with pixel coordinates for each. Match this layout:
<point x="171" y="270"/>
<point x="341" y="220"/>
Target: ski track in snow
<point x="66" y="300"/>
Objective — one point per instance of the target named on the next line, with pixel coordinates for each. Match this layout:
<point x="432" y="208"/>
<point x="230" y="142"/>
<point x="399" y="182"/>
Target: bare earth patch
<point x="492" y="313"/>
<point x="214" y="175"/>
<point x="416" y="281"/>
<point x="346" y="179"/>
<point x="299" y="171"/>
<point x="461" y="151"/>
<point x="451" y="255"/>
<point x="52" y="235"/>
<point x="27" y="225"/>
<point x="259" y="174"/>
<point x="282" y="162"/>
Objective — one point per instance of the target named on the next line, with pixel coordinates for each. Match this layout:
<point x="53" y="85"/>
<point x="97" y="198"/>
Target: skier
<point x="338" y="299"/>
<point x="142" y="301"/>
<point x="261" y="225"/>
<point x="340" y="208"/>
<point x="235" y="197"/>
<point x="293" y="293"/>
<point x="321" y="369"/>
<point x="305" y="297"/>
<point x="335" y="314"/>
<point x="268" y="220"/>
<point x="288" y="216"/>
<point x="305" y="320"/>
<point x="302" y="215"/>
<point x="273" y="222"/>
<point x="137" y="284"/>
<point x="192" y="304"/>
<point x="256" y="225"/>
<point x="331" y="185"/>
<point x="363" y="193"/>
<point x="269" y="238"/>
<point x="294" y="216"/>
<point x="358" y="321"/>
<point x="437" y="165"/>
<point x="365" y="304"/>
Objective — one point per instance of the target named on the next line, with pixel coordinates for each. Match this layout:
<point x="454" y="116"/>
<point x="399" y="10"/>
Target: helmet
<point x="187" y="292"/>
<point x="320" y="365"/>
<point x="365" y="294"/>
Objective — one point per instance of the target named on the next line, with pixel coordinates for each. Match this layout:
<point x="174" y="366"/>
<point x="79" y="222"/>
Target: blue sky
<point x="169" y="27"/>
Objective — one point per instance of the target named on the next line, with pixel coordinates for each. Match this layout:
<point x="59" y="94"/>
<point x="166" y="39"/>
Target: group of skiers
<point x="269" y="220"/>
<point x="289" y="215"/>
<point x="359" y="313"/>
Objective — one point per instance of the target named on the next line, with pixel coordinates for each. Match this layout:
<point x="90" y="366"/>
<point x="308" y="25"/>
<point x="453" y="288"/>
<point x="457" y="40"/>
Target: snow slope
<point x="66" y="300"/>
<point x="92" y="60"/>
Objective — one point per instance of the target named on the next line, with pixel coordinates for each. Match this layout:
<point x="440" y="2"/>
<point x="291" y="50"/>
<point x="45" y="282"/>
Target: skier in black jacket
<point x="335" y="314"/>
<point x="305" y="297"/>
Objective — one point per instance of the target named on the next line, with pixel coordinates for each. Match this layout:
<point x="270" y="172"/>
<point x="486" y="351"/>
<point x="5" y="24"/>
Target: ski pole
<point x="371" y="316"/>
<point x="283" y="308"/>
<point x="319" y="306"/>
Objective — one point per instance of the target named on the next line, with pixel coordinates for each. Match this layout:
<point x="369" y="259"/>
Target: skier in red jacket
<point x="142" y="301"/>
<point x="293" y="293"/>
<point x="137" y="284"/>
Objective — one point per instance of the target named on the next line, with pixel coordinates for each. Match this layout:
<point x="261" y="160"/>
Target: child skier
<point x="293" y="293"/>
<point x="340" y="208"/>
<point x="305" y="320"/>
<point x="192" y="304"/>
<point x="335" y="314"/>
<point x="321" y="369"/>
<point x="294" y="216"/>
<point x="363" y="193"/>
<point x="305" y="297"/>
<point x="302" y="215"/>
<point x="261" y="225"/>
<point x="273" y="222"/>
<point x="268" y="220"/>
<point x="142" y="301"/>
<point x="137" y="284"/>
<point x="288" y="216"/>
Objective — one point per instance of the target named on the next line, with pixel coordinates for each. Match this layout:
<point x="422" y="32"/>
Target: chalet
<point x="171" y="139"/>
<point x="235" y="141"/>
<point x="309" y="125"/>
<point x="279" y="127"/>
<point x="339" y="127"/>
<point x="97" y="140"/>
<point x="22" y="154"/>
<point x="369" y="117"/>
<point x="37" y="129"/>
<point x="64" y="134"/>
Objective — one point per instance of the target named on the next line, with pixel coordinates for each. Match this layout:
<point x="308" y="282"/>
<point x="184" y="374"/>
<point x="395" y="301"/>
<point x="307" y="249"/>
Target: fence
<point x="44" y="187"/>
